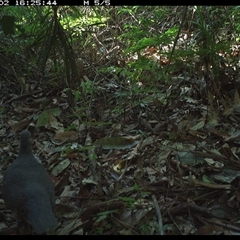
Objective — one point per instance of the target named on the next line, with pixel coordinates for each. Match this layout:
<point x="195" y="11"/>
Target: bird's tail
<point x="41" y="216"/>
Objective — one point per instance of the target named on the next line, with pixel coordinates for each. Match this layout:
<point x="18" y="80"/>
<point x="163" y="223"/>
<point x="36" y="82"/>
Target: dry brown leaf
<point x="73" y="225"/>
<point x="66" y="136"/>
<point x="133" y="217"/>
<point x="17" y="127"/>
<point x="60" y="167"/>
<point x="67" y="194"/>
<point x="210" y="229"/>
<point x="62" y="182"/>
<point x="28" y="110"/>
<point x="54" y="122"/>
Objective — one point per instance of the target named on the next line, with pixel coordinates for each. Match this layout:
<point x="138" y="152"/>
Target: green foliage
<point x="209" y="25"/>
<point x="141" y="193"/>
<point x="72" y="127"/>
<point x="50" y="39"/>
<point x="101" y="217"/>
<point x="2" y="110"/>
<point x="7" y="22"/>
<point x="129" y="201"/>
<point x="105" y="214"/>
<point x="136" y="35"/>
<point x="146" y="228"/>
<point x="45" y="116"/>
<point x="88" y="87"/>
<point x="135" y="61"/>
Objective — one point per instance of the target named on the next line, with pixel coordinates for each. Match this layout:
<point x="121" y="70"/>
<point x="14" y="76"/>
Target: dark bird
<point x="28" y="190"/>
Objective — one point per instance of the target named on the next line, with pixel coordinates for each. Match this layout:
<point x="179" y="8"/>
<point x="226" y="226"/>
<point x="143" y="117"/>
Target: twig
<point x="176" y="38"/>
<point x="24" y="95"/>
<point x="159" y="216"/>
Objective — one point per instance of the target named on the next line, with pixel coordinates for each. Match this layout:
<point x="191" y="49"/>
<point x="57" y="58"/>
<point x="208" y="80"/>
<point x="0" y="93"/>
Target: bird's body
<point x="28" y="190"/>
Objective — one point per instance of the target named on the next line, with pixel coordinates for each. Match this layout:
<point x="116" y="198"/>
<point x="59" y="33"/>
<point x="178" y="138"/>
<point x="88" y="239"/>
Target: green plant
<point x="128" y="201"/>
<point x="140" y="191"/>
